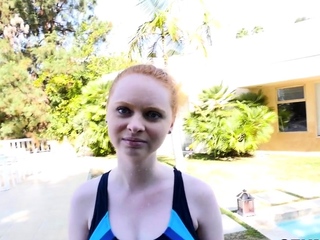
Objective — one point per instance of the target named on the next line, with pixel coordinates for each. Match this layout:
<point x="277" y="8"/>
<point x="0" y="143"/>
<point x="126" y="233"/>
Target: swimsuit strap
<point x="180" y="203"/>
<point x="101" y="204"/>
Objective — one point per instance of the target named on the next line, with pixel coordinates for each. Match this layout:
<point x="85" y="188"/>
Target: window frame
<point x="291" y="101"/>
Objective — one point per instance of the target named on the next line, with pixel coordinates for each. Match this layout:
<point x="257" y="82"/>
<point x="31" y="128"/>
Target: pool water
<point x="307" y="227"/>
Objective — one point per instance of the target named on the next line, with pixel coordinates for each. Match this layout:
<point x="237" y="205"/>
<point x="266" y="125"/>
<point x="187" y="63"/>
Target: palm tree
<point x="201" y="38"/>
<point x="158" y="36"/>
<point x="161" y="37"/>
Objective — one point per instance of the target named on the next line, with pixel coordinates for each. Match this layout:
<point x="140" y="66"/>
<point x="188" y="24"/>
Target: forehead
<point x="141" y="89"/>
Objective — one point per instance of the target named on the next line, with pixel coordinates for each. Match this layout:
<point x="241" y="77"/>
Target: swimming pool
<point x="307" y="227"/>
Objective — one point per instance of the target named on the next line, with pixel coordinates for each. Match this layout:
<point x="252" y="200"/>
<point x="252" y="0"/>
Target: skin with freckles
<point x="141" y="110"/>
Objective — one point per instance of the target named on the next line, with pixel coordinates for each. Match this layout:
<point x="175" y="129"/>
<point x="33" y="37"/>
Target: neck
<point x="134" y="174"/>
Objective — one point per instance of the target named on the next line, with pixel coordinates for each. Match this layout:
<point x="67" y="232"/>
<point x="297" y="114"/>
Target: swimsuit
<point x="180" y="224"/>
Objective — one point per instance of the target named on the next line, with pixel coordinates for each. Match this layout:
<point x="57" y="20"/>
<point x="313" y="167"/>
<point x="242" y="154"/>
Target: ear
<point x="171" y="128"/>
<point x="107" y="115"/>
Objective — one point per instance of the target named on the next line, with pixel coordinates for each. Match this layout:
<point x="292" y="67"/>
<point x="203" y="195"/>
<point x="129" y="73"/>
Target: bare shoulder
<point x="86" y="192"/>
<point x="204" y="208"/>
<point x="81" y="209"/>
<point x="196" y="188"/>
<point x="83" y="200"/>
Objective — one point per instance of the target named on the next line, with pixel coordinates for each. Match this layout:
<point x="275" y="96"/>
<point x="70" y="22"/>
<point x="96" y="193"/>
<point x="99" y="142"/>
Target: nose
<point x="136" y="124"/>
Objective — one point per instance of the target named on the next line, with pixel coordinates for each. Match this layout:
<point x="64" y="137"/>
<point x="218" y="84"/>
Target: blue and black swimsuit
<point x="180" y="225"/>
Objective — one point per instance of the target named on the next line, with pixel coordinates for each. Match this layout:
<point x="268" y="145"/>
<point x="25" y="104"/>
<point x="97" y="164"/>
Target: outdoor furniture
<point x="20" y="158"/>
<point x="4" y="173"/>
<point x="15" y="166"/>
<point x="10" y="172"/>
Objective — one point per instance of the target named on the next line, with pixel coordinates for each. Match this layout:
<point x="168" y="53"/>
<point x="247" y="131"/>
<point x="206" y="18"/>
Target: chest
<point x="144" y="216"/>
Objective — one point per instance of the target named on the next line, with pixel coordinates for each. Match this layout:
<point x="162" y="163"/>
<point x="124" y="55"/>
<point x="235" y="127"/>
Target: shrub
<point x="229" y="125"/>
<point x="91" y="120"/>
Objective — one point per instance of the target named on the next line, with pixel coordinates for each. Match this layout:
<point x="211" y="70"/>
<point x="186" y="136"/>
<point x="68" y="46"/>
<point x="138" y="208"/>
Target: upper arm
<point x="209" y="218"/>
<point x="81" y="210"/>
<point x="204" y="209"/>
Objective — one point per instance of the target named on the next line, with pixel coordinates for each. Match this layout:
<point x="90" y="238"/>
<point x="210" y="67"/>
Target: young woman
<point x="143" y="199"/>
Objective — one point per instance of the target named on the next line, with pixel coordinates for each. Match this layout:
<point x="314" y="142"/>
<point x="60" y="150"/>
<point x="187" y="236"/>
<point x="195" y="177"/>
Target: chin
<point x="138" y="154"/>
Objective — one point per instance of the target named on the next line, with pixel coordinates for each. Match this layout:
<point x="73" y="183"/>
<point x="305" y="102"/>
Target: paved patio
<point x="275" y="206"/>
<point x="37" y="208"/>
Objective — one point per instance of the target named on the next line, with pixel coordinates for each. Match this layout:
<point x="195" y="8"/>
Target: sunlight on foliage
<point x="225" y="125"/>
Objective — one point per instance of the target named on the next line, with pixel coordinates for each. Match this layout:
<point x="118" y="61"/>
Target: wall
<point x="294" y="141"/>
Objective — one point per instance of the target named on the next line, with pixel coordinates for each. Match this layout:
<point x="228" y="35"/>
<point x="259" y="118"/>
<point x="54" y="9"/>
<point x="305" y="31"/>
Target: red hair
<point x="158" y="74"/>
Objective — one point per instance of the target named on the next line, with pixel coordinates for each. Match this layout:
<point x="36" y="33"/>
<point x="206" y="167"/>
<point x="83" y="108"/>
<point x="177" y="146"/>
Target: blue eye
<point x="123" y="110"/>
<point x="153" y="115"/>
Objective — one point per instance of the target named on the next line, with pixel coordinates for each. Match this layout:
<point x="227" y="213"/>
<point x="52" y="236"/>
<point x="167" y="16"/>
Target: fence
<point x="27" y="144"/>
<point x="17" y="160"/>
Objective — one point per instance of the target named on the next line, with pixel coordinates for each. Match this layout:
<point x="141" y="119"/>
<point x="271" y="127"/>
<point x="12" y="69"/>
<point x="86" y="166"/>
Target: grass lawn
<point x="256" y="174"/>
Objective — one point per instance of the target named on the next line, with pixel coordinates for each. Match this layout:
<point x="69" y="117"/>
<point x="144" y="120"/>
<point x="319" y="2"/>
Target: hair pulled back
<point x="158" y="74"/>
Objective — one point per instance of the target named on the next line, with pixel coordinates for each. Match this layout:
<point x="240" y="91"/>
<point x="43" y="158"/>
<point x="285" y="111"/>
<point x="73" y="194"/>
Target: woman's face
<point x="139" y="115"/>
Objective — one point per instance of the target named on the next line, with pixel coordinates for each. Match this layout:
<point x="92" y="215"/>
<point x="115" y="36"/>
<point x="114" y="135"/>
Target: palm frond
<point x="153" y="49"/>
<point x="152" y="7"/>
<point x="173" y="29"/>
<point x="143" y="33"/>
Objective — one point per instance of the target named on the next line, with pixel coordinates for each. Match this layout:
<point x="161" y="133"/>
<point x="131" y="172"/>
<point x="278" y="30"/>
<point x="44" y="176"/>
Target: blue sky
<point x="231" y="14"/>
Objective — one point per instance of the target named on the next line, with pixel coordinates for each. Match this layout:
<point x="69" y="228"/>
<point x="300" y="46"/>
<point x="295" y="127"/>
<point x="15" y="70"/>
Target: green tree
<point x="226" y="125"/>
<point x="208" y="125"/>
<point x="54" y="24"/>
<point x="66" y="94"/>
<point x="23" y="107"/>
<point x="201" y="38"/>
<point x="163" y="36"/>
<point x="44" y="17"/>
<point x="252" y="98"/>
<point x="252" y="125"/>
<point x="242" y="33"/>
<point x="64" y="85"/>
<point x="160" y="35"/>
<point x="90" y="119"/>
<point x="62" y="54"/>
<point x="256" y="30"/>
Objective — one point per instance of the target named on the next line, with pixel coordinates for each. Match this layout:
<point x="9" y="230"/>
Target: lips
<point x="132" y="139"/>
<point x="134" y="142"/>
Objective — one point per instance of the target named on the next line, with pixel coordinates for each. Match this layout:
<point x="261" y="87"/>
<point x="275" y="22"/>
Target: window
<point x="292" y="109"/>
<point x="318" y="106"/>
